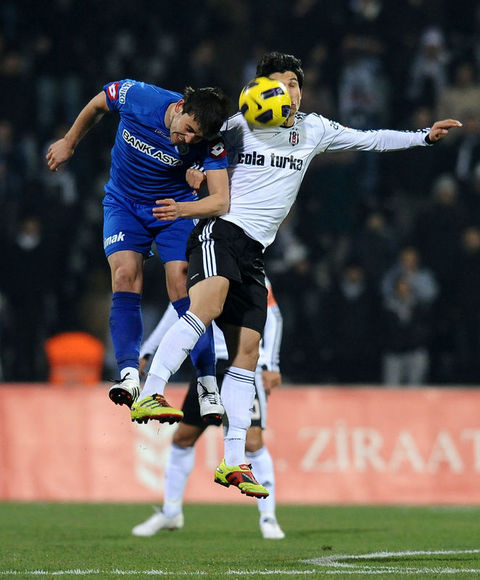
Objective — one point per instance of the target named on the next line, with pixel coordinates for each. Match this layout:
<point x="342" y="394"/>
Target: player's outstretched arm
<point x="440" y="128"/>
<point x="63" y="149"/>
<point x="214" y="204"/>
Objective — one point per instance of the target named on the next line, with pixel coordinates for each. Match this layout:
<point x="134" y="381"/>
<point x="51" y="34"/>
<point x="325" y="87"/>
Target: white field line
<point x="101" y="573"/>
<point x="351" y="563"/>
<point x="336" y="564"/>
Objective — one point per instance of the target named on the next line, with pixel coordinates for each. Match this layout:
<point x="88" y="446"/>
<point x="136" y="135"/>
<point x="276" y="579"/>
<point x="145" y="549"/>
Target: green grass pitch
<point x="50" y="540"/>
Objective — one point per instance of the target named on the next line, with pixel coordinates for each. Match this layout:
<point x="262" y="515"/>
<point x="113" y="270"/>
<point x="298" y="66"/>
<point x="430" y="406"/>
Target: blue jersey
<point x="145" y="165"/>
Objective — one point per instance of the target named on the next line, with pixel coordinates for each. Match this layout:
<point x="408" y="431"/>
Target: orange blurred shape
<point x="74" y="357"/>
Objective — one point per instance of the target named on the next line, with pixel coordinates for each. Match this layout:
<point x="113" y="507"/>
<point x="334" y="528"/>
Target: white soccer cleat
<point x="271" y="530"/>
<point x="125" y="391"/>
<point x="156" y="522"/>
<point x="211" y="408"/>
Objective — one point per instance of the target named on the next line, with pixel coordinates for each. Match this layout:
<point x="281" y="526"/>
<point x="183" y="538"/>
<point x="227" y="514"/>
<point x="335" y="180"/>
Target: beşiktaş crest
<point x="294" y="137"/>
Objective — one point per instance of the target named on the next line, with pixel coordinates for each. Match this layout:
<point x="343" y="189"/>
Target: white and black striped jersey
<point x="267" y="166"/>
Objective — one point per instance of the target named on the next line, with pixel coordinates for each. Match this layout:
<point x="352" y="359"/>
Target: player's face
<point x="290" y="80"/>
<point x="184" y="129"/>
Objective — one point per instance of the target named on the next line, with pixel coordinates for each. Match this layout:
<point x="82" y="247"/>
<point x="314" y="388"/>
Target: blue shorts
<point x="128" y="225"/>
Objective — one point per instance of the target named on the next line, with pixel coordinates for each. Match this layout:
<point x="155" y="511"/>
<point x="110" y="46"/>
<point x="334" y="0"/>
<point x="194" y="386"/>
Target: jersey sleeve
<point x="117" y="94"/>
<point x="215" y="155"/>
<point x="337" y="137"/>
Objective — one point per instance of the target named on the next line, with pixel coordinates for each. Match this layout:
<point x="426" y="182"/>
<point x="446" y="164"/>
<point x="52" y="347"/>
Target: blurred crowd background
<point x="377" y="269"/>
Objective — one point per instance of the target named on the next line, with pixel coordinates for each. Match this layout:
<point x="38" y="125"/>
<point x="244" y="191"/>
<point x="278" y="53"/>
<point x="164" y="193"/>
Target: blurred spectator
<point x="422" y="283"/>
<point x="374" y="246"/>
<point x="121" y="56"/>
<point x="462" y="156"/>
<point x="467" y="308"/>
<point x="405" y="336"/>
<point x="429" y="69"/>
<point x="460" y="99"/>
<point x="62" y="58"/>
<point x="16" y="95"/>
<point x="437" y="235"/>
<point x="472" y="196"/>
<point x="27" y="290"/>
<point x="362" y="101"/>
<point x="317" y="91"/>
<point x="362" y="94"/>
<point x="203" y="71"/>
<point x="252" y="56"/>
<point x="11" y="177"/>
<point x="306" y="22"/>
<point x="365" y="12"/>
<point x="289" y="266"/>
<point x="407" y="178"/>
<point x="410" y="173"/>
<point x="438" y="228"/>
<point x="351" y="325"/>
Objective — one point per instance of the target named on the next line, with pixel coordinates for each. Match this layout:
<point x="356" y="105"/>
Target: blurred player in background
<point x="182" y="451"/>
<point x="226" y="265"/>
<point x="160" y="135"/>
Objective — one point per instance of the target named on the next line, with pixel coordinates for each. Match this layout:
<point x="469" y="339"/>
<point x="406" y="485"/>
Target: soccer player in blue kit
<point x="160" y="135"/>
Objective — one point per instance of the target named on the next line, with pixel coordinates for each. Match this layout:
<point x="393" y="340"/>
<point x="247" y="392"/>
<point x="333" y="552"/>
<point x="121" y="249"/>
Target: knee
<point x="185" y="438"/>
<point x="215" y="310"/>
<point x="176" y="280"/>
<point x="249" y="353"/>
<point x="126" y="279"/>
<point x="207" y="311"/>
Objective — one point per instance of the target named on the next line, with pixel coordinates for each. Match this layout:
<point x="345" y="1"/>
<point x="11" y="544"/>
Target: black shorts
<point x="217" y="247"/>
<point x="191" y="407"/>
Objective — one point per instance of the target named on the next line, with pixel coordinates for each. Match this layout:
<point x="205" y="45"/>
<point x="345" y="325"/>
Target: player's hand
<point x="166" y="210"/>
<point x="195" y="178"/>
<point x="440" y="129"/>
<point x="58" y="153"/>
<point x="271" y="379"/>
<point x="142" y="363"/>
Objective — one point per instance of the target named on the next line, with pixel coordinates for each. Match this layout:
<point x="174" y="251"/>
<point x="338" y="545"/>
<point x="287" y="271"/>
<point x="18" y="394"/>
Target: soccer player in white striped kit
<point x="182" y="451"/>
<point x="226" y="267"/>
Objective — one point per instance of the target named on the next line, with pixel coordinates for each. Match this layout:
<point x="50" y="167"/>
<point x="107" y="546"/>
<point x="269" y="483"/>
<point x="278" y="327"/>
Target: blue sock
<point x="203" y="353"/>
<point x="126" y="327"/>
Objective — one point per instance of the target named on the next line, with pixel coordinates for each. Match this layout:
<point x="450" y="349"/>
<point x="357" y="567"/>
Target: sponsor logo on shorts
<point x="120" y="237"/>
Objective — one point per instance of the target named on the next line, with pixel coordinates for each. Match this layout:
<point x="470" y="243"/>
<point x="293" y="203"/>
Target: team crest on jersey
<point x="294" y="137"/>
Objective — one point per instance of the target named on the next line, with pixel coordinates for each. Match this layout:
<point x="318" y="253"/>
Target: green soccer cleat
<point x="155" y="407"/>
<point x="240" y="476"/>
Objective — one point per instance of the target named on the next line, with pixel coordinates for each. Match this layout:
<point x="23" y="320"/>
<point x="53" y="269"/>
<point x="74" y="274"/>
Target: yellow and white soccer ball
<point x="265" y="102"/>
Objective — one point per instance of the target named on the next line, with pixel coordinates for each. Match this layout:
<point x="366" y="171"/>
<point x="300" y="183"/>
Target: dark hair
<point x="209" y="106"/>
<point x="274" y="62"/>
